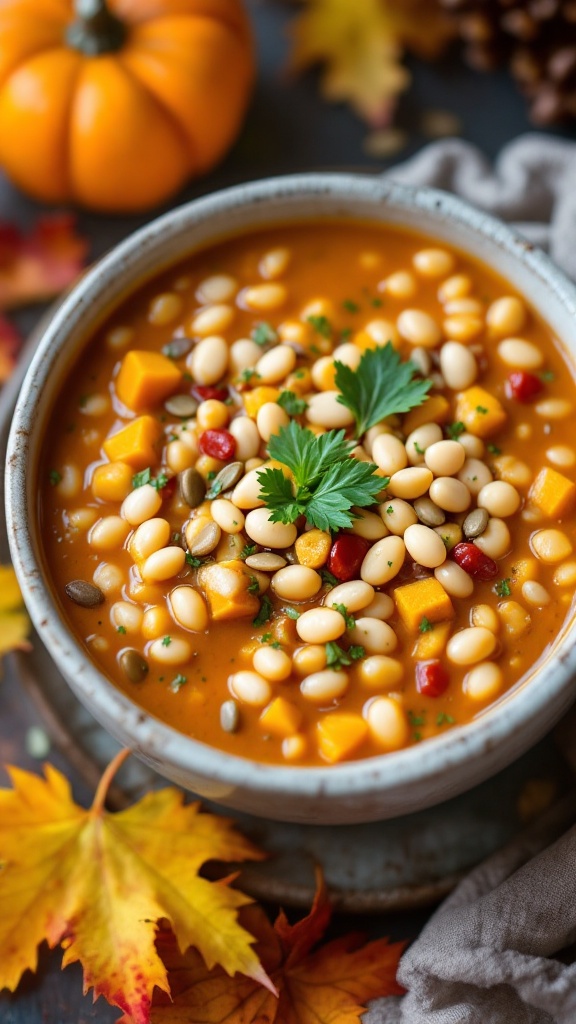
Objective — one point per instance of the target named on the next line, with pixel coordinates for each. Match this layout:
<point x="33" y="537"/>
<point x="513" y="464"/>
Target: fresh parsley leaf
<point x="211" y="474"/>
<point x="321" y="325"/>
<point x="247" y="550"/>
<point x="291" y="404"/>
<point x="349" y="619"/>
<point x="178" y="682"/>
<point x="265" y="613"/>
<point x="248" y="374"/>
<point x="253" y="586"/>
<point x="54" y="477"/>
<point x="265" y="638"/>
<point x="327" y="482"/>
<point x="425" y="625"/>
<point x="336" y="658"/>
<point x="264" y="334"/>
<point x="356" y="651"/>
<point x="160" y="481"/>
<point x="194" y="561"/>
<point x="415" y="719"/>
<point x="443" y="719"/>
<point x="502" y="588"/>
<point x="455" y="430"/>
<point x="381" y="386"/>
<point x="145" y="477"/>
<point x="166" y="641"/>
<point x="291" y="613"/>
<point x="121" y="629"/>
<point x="328" y="579"/>
<point x="350" y="306"/>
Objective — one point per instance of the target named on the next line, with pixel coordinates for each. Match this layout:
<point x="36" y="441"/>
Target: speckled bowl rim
<point x="548" y="692"/>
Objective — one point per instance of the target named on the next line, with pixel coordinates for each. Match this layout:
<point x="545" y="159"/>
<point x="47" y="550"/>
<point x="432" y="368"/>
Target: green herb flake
<point x="455" y="430"/>
<point x="264" y="334"/>
<point x="482" y="409"/>
<point x="417" y="719"/>
<point x="253" y="586"/>
<point x="356" y="651"/>
<point x="160" y="481"/>
<point x="502" y="588"/>
<point x="350" y="306"/>
<point x="417" y="736"/>
<point x="376" y="302"/>
<point x="166" y="641"/>
<point x="121" y="629"/>
<point x="326" y="484"/>
<point x="349" y="619"/>
<point x="265" y="638"/>
<point x="425" y="625"/>
<point x="443" y="719"/>
<point x="336" y="658"/>
<point x="54" y="477"/>
<point x="345" y="334"/>
<point x="265" y="613"/>
<point x="247" y="550"/>
<point x="328" y="579"/>
<point x="390" y="510"/>
<point x="321" y="325"/>
<point x="291" y="404"/>
<point x="291" y="613"/>
<point x="142" y="478"/>
<point x="211" y="474"/>
<point x="248" y="374"/>
<point x="193" y="561"/>
<point x="178" y="682"/>
<point x="547" y="376"/>
<point x="493" y="448"/>
<point x="382" y="385"/>
<point x="418" y="449"/>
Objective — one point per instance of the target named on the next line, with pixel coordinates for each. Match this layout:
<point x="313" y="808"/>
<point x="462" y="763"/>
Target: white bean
<point x="368" y="525"/>
<point x="354" y="595"/>
<point x="269" y="535"/>
<point x="276" y="364"/>
<point x="383" y="561"/>
<point x="400" y="285"/>
<point x="246" y="494"/>
<point x="212" y="319"/>
<point x="296" y="583"/>
<point x="450" y="494"/>
<point x="378" y="671"/>
<point x="217" y="288"/>
<point x="551" y="546"/>
<point x="250" y="688"/>
<point x="433" y="262"/>
<point x="247" y="437"/>
<point x="265" y="297"/>
<point x="458" y="365"/>
<point x="389" y="454"/>
<point x="496" y="540"/>
<point x="164" y="309"/>
<point x="534" y="593"/>
<point x="411" y="482"/>
<point x="324" y="410"/>
<point x="108" y="577"/>
<point x="425" y="546"/>
<point x="323" y="687"/>
<point x="471" y="644"/>
<point x="454" y="579"/>
<point x="381" y="607"/>
<point x="382" y="331"/>
<point x="270" y="419"/>
<point x="126" y="616"/>
<point x="418" y="328"/>
<point x="499" y="498"/>
<point x="483" y="682"/>
<point x="273" y="664"/>
<point x="244" y="354"/>
<point x="176" y="652"/>
<point x="420" y="440"/>
<point x="554" y="408"/>
<point x="208" y="361"/>
<point x="475" y="474"/>
<point x="506" y="315"/>
<point x="227" y="515"/>
<point x="445" y="458"/>
<point x="189" y="608"/>
<point x="561" y="455"/>
<point x="108" y="533"/>
<point x="141" y="504"/>
<point x="349" y="354"/>
<point x="320" y="625"/>
<point x="521" y="354"/>
<point x="374" y="635"/>
<point x="163" y="564"/>
<point x="387" y="723"/>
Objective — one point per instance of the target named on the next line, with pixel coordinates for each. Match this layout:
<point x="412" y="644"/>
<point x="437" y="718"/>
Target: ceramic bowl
<point x="372" y="789"/>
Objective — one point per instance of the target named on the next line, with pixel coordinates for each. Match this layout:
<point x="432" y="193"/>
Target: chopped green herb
<point x="417" y="737"/>
<point x="376" y="302"/>
<point x="502" y="588"/>
<point x="455" y="430"/>
<point x="418" y="449"/>
<point x="547" y="376"/>
<point x="327" y="483"/>
<point x="299" y="374"/>
<point x="265" y="638"/>
<point x="54" y="477"/>
<point x="328" y="579"/>
<point x="264" y="334"/>
<point x="345" y="333"/>
<point x="356" y="651"/>
<point x="194" y="561"/>
<point x="248" y="374"/>
<point x="253" y="586"/>
<point x="265" y="613"/>
<point x="247" y="550"/>
<point x="160" y="481"/>
<point x="443" y="719"/>
<point x="350" y="306"/>
<point x="166" y="641"/>
<point x="380" y="386"/>
<point x="291" y="404"/>
<point x="349" y="619"/>
<point x="390" y="510"/>
<point x="120" y="629"/>
<point x="178" y="682"/>
<point x="446" y="542"/>
<point x="211" y="474"/>
<point x="176" y="538"/>
<point x="321" y="325"/>
<point x="336" y="658"/>
<point x="415" y="719"/>
<point x="425" y="625"/>
<point x="291" y="613"/>
<point x="493" y="448"/>
<point x="390" y="564"/>
<point x="482" y="409"/>
<point x="145" y="477"/>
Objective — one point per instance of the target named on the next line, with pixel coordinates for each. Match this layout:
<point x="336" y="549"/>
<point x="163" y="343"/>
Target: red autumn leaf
<point x="37" y="266"/>
<point x="315" y="986"/>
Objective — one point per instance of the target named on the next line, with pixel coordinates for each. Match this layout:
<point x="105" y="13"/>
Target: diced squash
<point x="112" y="481"/>
<point x="225" y="585"/>
<point x="479" y="411"/>
<point x="435" y="409"/>
<point x="432" y="643"/>
<point x="255" y="399"/>
<point x="281" y="718"/>
<point x="553" y="493"/>
<point x="364" y="341"/>
<point x="425" y="599"/>
<point x="525" y="569"/>
<point x="146" y="378"/>
<point x="313" y="548"/>
<point x="339" y="735"/>
<point x="136" y="443"/>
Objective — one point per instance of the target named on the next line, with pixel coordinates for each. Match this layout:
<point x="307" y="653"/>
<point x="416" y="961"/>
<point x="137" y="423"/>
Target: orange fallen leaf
<point x="331" y="984"/>
<point x="360" y="46"/>
<point x="14" y="622"/>
<point x="37" y="266"/>
<point x="98" y="883"/>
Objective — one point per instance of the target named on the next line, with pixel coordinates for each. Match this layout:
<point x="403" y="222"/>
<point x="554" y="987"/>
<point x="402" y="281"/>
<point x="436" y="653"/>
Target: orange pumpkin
<point x="114" y="105"/>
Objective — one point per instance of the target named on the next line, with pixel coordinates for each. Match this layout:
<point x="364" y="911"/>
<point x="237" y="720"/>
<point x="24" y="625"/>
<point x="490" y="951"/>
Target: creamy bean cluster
<point x="285" y="640"/>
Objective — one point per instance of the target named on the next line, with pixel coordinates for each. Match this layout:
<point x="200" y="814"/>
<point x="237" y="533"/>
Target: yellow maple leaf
<point x="360" y="45"/>
<point x="14" y="622"/>
<point x="98" y="883"/>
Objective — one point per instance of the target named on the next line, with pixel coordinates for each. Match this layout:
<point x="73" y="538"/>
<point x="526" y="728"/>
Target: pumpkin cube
<point x="312" y="548"/>
<point x="431" y="644"/>
<point x="480" y="412"/>
<point x="435" y="409"/>
<point x="553" y="493"/>
<point x="255" y="399"/>
<point x="340" y="734"/>
<point x="281" y="718"/>
<point x="425" y="599"/>
<point x="226" y="587"/>
<point x="136" y="443"/>
<point x="146" y="378"/>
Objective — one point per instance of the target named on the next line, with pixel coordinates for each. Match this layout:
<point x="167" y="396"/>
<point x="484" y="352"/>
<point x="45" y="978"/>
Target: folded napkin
<point x="491" y="952"/>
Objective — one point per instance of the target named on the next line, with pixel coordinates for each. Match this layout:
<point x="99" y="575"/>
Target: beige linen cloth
<point x="497" y="950"/>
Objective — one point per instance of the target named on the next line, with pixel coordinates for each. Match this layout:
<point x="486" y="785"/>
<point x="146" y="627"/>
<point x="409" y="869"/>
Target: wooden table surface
<point x="289" y="128"/>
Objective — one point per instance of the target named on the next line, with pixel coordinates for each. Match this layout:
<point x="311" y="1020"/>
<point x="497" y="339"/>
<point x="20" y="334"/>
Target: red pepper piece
<point x="432" y="679"/>
<point x="474" y="562"/>
<point x="523" y="386"/>
<point x="346" y="556"/>
<point x="220" y="444"/>
<point x="206" y="391"/>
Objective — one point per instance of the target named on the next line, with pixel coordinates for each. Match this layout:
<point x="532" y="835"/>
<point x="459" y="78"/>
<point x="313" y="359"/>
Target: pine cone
<point x="536" y="39"/>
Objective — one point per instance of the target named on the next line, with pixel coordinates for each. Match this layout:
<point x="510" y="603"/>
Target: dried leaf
<point x="329" y="985"/>
<point x="10" y="342"/>
<point x="361" y="46"/>
<point x="98" y="883"/>
<point x="37" y="266"/>
<point x="14" y="622"/>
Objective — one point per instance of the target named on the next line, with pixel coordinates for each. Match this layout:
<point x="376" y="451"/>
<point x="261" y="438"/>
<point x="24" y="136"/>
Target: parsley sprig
<point x="381" y="386"/>
<point x="327" y="483"/>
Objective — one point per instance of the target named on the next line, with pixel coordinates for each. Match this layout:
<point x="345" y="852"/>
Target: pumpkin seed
<point x="87" y="595"/>
<point x="475" y="523"/>
<point x="428" y="512"/>
<point x="229" y="716"/>
<point x="227" y="478"/>
<point x="183" y="406"/>
<point x="192" y="487"/>
<point x="177" y="348"/>
<point x="134" y="666"/>
<point x="266" y="561"/>
<point x="202" y="541"/>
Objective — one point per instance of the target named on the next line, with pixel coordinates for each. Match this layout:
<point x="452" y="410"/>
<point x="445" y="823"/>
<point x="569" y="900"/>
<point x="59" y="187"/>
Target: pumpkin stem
<point x="95" y="29"/>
